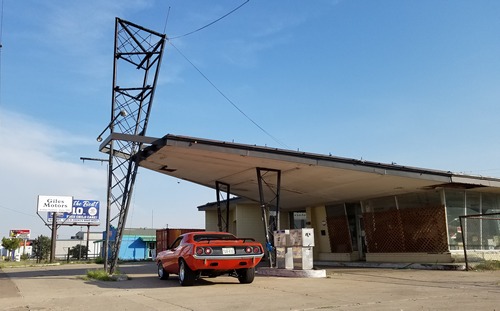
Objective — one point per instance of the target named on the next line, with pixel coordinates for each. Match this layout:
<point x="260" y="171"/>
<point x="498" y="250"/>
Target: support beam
<point x="269" y="181"/>
<point x="223" y="190"/>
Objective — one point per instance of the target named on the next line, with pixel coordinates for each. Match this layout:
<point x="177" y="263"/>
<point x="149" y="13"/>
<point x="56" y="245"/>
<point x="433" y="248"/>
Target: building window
<point x="455" y="207"/>
<point x="481" y="233"/>
<point x="298" y="220"/>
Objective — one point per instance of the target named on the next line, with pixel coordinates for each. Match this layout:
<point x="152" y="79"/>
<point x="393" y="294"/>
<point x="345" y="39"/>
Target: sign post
<point x="53" y="239"/>
<point x="54" y="204"/>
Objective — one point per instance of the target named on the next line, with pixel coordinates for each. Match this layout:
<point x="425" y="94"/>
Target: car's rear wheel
<point x="186" y="275"/>
<point x="162" y="274"/>
<point x="246" y="276"/>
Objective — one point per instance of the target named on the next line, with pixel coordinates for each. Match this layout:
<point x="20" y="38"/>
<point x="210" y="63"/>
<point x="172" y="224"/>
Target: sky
<point x="410" y="82"/>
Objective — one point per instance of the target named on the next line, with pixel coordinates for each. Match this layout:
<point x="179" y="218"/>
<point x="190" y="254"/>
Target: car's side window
<point x="176" y="243"/>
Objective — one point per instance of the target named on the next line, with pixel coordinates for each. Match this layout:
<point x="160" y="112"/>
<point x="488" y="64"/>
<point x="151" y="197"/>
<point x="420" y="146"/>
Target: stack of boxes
<point x="294" y="248"/>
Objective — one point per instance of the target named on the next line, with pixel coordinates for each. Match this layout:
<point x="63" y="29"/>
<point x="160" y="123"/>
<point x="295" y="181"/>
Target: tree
<point x="11" y="244"/>
<point x="79" y="251"/>
<point x="41" y="248"/>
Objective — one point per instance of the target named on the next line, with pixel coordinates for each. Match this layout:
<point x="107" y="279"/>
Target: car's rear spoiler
<point x="226" y="239"/>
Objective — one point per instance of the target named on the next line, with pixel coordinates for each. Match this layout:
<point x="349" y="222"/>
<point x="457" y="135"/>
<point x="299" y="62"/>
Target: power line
<point x="209" y="24"/>
<point x="206" y="78"/>
<point x="227" y="98"/>
<point x="14" y="210"/>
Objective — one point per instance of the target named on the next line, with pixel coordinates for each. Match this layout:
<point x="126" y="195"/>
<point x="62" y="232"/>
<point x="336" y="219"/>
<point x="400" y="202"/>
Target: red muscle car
<point x="196" y="254"/>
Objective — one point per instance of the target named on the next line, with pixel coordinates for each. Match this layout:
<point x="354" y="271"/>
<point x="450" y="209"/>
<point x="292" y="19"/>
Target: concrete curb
<point x="119" y="277"/>
<point x="417" y="266"/>
<point x="291" y="273"/>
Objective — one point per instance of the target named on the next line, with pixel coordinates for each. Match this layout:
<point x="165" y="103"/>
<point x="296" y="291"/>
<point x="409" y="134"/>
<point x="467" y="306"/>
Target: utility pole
<point x="107" y="234"/>
<point x="54" y="238"/>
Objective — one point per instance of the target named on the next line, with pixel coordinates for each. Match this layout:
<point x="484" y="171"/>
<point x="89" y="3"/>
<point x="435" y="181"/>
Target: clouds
<point x="36" y="161"/>
<point x="411" y="83"/>
<point x="69" y="36"/>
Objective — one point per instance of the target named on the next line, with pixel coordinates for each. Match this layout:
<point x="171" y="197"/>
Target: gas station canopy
<point x="307" y="179"/>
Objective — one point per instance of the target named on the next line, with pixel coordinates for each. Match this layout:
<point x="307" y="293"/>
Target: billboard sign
<point x="55" y="204"/>
<point x="83" y="212"/>
<point x="19" y="233"/>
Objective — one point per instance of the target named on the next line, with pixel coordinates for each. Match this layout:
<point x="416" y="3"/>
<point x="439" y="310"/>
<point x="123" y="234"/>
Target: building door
<point x="151" y="250"/>
<point x="361" y="237"/>
<point x="298" y="220"/>
<point x="356" y="228"/>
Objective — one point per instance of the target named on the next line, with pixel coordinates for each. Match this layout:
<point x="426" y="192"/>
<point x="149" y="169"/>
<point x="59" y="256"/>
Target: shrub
<point x="488" y="265"/>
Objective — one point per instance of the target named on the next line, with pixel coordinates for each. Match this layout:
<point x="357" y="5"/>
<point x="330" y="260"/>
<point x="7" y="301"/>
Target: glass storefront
<point x="455" y="202"/>
<point x="427" y="221"/>
<point x="481" y="233"/>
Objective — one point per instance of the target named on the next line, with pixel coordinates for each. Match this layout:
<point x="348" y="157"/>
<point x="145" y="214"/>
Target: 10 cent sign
<point x="83" y="212"/>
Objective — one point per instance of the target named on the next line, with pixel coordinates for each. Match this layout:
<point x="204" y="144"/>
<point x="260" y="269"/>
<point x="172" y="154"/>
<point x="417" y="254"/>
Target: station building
<point x="359" y="210"/>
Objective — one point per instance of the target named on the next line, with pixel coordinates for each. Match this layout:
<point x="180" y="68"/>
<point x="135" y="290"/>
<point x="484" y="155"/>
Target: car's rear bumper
<point x="227" y="257"/>
<point x="224" y="262"/>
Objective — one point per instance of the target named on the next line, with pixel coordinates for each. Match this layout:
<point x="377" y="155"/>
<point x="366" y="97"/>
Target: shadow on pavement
<point x="140" y="275"/>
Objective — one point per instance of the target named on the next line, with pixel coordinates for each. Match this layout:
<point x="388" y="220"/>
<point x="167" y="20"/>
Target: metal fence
<point x="480" y="236"/>
<point x="406" y="230"/>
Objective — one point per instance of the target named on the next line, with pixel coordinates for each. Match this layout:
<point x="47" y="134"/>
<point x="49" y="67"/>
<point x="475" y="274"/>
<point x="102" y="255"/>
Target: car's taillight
<point x="204" y="251"/>
<point x="252" y="249"/>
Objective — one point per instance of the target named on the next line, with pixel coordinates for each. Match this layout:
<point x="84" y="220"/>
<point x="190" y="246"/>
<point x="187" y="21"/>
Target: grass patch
<point x="102" y="275"/>
<point x="18" y="264"/>
<point x="99" y="274"/>
<point x="488" y="265"/>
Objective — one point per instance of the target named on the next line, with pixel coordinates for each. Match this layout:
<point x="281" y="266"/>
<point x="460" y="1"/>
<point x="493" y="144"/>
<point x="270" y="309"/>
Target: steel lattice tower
<point x="137" y="57"/>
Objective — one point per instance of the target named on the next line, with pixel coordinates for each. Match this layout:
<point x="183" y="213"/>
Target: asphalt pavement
<point x="63" y="288"/>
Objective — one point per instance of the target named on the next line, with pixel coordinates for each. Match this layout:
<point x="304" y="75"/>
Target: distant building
<point x="25" y="248"/>
<point x="137" y="243"/>
<point x="92" y="240"/>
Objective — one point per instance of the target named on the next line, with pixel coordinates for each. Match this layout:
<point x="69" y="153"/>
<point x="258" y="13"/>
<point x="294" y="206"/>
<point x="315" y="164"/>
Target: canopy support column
<point x="269" y="181"/>
<point x="222" y="189"/>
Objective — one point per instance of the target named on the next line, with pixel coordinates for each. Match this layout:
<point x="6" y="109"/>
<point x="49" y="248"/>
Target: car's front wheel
<point x="246" y="276"/>
<point x="186" y="275"/>
<point x="162" y="274"/>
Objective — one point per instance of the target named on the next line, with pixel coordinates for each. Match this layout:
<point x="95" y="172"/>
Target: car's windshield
<point x="208" y="237"/>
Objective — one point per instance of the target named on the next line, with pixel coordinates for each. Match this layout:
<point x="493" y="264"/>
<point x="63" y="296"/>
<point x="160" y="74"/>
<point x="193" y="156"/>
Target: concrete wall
<point x="317" y="218"/>
<point x="62" y="247"/>
<point x="409" y="257"/>
<point x="343" y="257"/>
<point x="211" y="220"/>
<point x="249" y="222"/>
